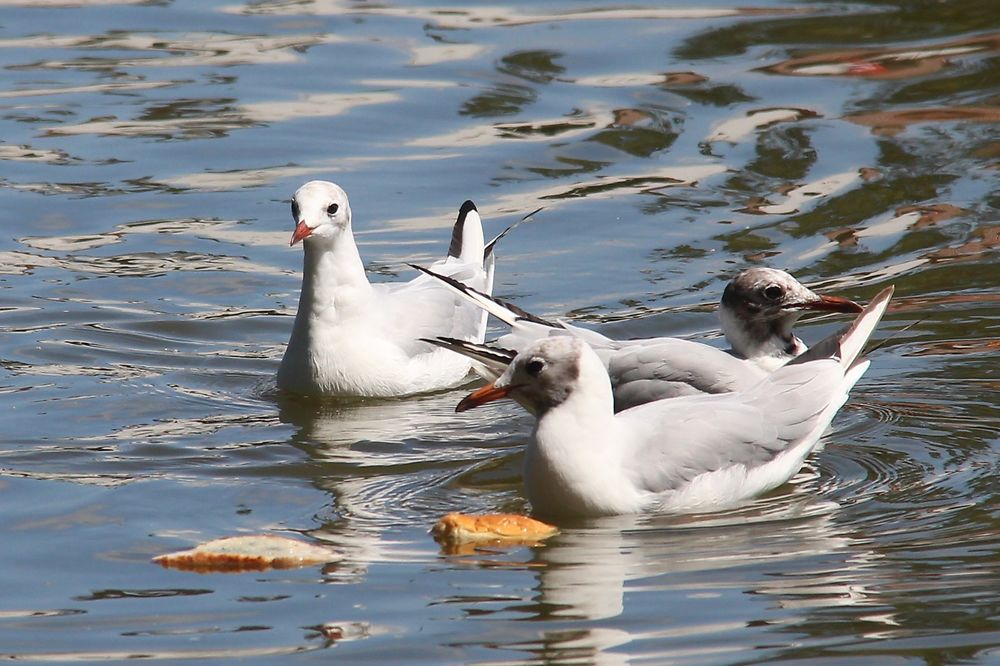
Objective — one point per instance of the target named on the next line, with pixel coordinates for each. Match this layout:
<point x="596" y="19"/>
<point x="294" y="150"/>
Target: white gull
<point x="352" y="337"/>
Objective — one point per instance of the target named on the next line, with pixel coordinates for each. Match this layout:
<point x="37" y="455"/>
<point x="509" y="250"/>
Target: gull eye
<point x="332" y="209"/>
<point x="534" y="366"/>
<point x="295" y="210"/>
<point x="773" y="292"/>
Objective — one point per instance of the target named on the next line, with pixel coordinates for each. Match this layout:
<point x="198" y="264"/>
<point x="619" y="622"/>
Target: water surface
<point x="146" y="292"/>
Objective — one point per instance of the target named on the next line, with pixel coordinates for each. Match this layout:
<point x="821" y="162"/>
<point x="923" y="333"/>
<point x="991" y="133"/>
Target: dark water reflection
<point x="147" y="289"/>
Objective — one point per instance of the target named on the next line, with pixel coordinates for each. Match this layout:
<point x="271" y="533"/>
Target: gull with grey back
<point x="759" y="309"/>
<point x="687" y="454"/>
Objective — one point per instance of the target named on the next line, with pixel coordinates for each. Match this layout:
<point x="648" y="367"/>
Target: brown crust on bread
<point x="247" y="553"/>
<point x="492" y="527"/>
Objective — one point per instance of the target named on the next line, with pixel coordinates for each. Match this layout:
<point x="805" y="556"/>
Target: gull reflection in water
<point x="385" y="463"/>
<point x="368" y="432"/>
<point x="788" y="552"/>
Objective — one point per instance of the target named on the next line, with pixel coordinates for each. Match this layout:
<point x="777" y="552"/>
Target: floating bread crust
<point x="247" y="553"/>
<point x="460" y="527"/>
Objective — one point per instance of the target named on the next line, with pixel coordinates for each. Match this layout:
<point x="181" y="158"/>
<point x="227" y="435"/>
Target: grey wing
<point x="424" y="308"/>
<point x="677" y="440"/>
<point x="673" y="367"/>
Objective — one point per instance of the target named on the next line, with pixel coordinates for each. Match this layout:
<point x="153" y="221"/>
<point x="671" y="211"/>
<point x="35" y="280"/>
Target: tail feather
<point x="848" y="343"/>
<point x="467" y="241"/>
<point x="828" y="347"/>
<point x="846" y="348"/>
<point x="852" y="343"/>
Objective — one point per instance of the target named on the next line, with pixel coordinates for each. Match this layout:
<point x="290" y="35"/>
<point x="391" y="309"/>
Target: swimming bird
<point x="694" y="453"/>
<point x="758" y="312"/>
<point x="352" y="337"/>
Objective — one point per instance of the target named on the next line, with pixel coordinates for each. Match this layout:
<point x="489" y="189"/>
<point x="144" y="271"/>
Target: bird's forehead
<point x="317" y="192"/>
<point x="756" y="277"/>
<point x="748" y="284"/>
<point x="558" y="346"/>
<point x="562" y="354"/>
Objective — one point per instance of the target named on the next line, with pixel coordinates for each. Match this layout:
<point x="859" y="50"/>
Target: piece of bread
<point x="248" y="553"/>
<point x="497" y="527"/>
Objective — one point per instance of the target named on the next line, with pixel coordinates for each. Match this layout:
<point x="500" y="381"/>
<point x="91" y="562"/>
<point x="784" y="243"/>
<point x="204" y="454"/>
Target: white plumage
<point x="352" y="337"/>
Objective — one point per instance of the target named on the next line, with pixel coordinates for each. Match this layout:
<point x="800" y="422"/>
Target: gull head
<point x="542" y="376"/>
<point x="767" y="293"/>
<point x="760" y="304"/>
<point x="320" y="209"/>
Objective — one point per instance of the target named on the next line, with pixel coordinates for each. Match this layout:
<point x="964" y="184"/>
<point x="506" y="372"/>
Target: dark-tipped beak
<point x="483" y="395"/>
<point x="832" y="304"/>
<point x="301" y="231"/>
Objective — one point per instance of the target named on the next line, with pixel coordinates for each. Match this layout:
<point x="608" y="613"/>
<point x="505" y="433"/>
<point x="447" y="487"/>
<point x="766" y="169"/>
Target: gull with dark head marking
<point x="759" y="308"/>
<point x="694" y="453"/>
<point x="758" y="311"/>
<point x="352" y="337"/>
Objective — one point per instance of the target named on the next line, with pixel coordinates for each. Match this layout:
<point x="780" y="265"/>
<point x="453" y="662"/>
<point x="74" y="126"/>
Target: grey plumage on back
<point x="759" y="308"/>
<point x="674" y="367"/>
<point x="693" y="453"/>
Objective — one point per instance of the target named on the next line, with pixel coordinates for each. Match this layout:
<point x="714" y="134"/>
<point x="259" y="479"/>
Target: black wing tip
<point x="497" y="353"/>
<point x="532" y="213"/>
<point x="492" y="244"/>
<point x="420" y="268"/>
<point x="458" y="232"/>
<point x="519" y="313"/>
<point x="523" y="314"/>
<point x="457" y="284"/>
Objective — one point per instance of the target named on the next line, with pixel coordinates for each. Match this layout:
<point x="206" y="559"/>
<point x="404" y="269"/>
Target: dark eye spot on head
<point x="773" y="292"/>
<point x="332" y="209"/>
<point x="295" y="210"/>
<point x="534" y="366"/>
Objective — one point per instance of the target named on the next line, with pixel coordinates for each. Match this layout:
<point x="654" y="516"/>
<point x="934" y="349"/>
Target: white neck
<point x="767" y="343"/>
<point x="574" y="463"/>
<point x="333" y="281"/>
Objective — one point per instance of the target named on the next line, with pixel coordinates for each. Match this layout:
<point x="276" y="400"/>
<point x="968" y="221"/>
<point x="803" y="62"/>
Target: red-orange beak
<point x="301" y="231"/>
<point x="483" y="395"/>
<point x="832" y="304"/>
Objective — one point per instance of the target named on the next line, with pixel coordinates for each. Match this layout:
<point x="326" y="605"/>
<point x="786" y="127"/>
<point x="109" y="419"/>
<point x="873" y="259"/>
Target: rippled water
<point x="148" y="153"/>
